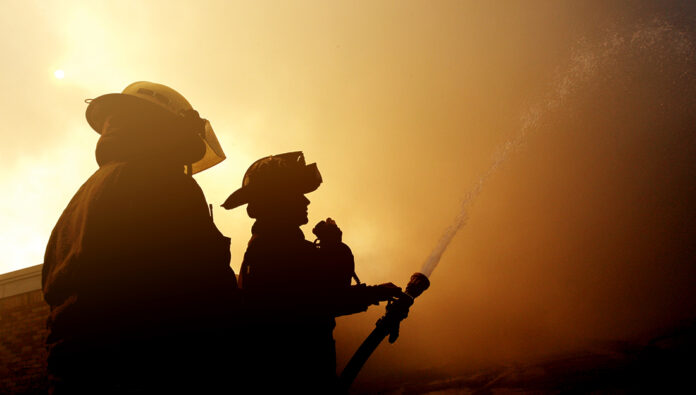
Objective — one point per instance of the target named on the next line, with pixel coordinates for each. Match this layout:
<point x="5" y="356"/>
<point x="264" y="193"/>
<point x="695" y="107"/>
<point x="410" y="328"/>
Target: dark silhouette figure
<point x="293" y="288"/>
<point x="136" y="273"/>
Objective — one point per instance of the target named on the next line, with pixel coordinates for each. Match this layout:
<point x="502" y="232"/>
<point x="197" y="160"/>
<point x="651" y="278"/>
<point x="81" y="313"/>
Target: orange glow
<point x="584" y="232"/>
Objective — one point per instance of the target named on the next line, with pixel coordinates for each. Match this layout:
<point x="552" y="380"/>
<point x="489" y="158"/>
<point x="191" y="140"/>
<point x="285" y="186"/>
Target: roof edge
<point x="20" y="281"/>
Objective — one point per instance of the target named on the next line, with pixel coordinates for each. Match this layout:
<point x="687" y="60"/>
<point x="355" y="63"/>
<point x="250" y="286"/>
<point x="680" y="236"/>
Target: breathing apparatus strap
<point x="357" y="280"/>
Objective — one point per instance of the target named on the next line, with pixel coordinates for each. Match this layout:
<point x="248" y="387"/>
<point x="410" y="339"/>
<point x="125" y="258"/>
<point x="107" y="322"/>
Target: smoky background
<point x="579" y="234"/>
<point x="576" y="119"/>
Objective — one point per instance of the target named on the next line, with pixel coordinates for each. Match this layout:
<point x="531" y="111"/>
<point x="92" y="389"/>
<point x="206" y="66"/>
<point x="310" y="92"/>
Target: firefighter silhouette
<point x="135" y="272"/>
<point x="293" y="288"/>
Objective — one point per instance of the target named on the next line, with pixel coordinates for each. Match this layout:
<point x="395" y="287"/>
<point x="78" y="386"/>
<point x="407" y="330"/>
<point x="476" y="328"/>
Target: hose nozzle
<point x="419" y="282"/>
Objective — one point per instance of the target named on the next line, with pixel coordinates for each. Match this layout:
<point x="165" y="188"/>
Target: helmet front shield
<point x="213" y="151"/>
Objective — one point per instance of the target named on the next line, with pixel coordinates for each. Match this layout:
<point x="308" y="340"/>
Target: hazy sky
<point x="392" y="98"/>
<point x="585" y="232"/>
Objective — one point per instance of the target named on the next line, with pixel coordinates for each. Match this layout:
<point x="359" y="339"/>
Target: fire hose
<point x="388" y="325"/>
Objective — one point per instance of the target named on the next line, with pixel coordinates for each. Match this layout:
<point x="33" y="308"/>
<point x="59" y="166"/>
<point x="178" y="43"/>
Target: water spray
<point x="584" y="65"/>
<point x="397" y="310"/>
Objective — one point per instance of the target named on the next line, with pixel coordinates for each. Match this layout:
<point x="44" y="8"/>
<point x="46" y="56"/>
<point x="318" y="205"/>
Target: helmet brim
<point x="237" y="198"/>
<point x="101" y="108"/>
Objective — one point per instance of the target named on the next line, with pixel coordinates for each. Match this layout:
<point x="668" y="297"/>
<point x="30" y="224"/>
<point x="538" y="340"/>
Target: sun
<point x="60" y="74"/>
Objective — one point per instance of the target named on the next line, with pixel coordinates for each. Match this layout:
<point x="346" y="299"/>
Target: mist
<point x="580" y="231"/>
<point x="555" y="141"/>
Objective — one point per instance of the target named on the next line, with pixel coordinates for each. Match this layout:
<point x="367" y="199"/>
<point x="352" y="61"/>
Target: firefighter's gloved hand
<point x="328" y="232"/>
<point x="382" y="292"/>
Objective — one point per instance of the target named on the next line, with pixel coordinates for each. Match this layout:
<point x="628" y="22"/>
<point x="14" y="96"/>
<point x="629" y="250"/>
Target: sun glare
<point x="60" y="74"/>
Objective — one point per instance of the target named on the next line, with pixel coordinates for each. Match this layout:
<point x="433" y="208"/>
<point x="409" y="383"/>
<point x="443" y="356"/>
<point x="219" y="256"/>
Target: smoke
<point x="586" y="236"/>
<point x="584" y="64"/>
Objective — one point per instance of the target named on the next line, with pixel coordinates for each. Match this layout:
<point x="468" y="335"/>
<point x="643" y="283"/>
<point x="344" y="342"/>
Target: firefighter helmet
<point x="283" y="172"/>
<point x="149" y="99"/>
